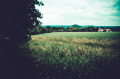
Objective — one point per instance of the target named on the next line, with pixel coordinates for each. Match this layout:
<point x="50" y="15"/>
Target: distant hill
<point x="78" y="26"/>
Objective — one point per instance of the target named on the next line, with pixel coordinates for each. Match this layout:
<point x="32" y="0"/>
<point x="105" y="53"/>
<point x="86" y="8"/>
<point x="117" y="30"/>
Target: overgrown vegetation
<point x="75" y="57"/>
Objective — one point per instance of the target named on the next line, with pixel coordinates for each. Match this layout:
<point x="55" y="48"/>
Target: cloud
<point x="117" y="4"/>
<point x="94" y="12"/>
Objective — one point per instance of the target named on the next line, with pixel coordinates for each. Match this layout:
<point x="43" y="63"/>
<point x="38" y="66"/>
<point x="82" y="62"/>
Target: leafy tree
<point x="55" y="29"/>
<point x="48" y="27"/>
<point x="60" y="29"/>
<point x="22" y="17"/>
<point x="35" y="30"/>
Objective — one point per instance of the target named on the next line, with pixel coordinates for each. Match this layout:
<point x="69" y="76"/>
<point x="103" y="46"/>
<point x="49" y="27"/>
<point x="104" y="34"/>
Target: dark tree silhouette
<point x="18" y="17"/>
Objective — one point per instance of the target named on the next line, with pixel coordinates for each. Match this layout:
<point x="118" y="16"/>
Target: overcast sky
<point x="82" y="12"/>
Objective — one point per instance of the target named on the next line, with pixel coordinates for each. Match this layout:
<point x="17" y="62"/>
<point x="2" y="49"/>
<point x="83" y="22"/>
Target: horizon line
<point x="83" y="25"/>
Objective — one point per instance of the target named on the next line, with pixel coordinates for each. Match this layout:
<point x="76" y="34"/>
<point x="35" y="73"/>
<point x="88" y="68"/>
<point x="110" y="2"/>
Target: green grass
<point x="75" y="55"/>
<point x="96" y="35"/>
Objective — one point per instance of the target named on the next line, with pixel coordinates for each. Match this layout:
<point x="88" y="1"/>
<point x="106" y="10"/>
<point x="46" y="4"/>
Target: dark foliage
<point x="18" y="18"/>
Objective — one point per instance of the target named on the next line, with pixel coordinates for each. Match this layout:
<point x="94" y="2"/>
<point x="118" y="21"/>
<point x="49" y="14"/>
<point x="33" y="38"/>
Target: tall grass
<point x="62" y="57"/>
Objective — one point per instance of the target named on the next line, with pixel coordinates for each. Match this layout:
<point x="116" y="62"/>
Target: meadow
<point x="75" y="55"/>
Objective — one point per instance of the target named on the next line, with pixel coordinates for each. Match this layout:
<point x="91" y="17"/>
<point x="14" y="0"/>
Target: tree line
<point x="74" y="28"/>
<point x="48" y="29"/>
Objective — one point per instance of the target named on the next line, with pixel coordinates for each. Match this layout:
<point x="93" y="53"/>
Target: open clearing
<point x="86" y="55"/>
<point x="96" y="35"/>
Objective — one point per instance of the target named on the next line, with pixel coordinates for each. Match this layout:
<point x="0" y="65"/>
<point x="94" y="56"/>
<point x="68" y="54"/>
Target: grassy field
<point x="75" y="55"/>
<point x="92" y="35"/>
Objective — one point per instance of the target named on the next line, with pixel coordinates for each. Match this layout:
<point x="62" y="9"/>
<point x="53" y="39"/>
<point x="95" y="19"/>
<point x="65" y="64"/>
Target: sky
<point x="81" y="12"/>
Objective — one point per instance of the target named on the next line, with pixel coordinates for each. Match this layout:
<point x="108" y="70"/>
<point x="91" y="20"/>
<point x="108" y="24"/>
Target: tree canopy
<point x="18" y="17"/>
